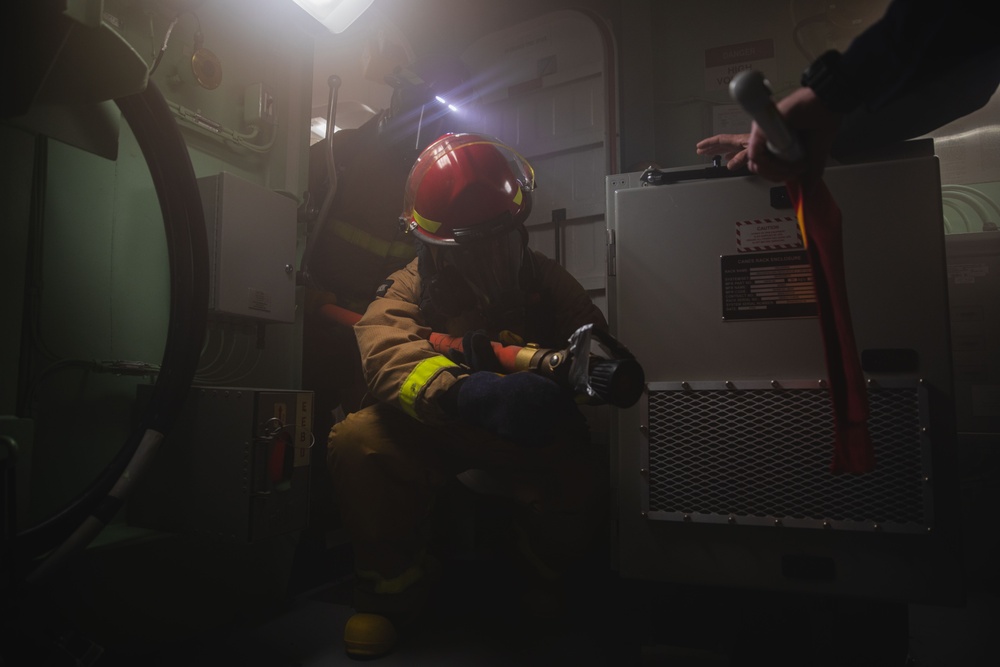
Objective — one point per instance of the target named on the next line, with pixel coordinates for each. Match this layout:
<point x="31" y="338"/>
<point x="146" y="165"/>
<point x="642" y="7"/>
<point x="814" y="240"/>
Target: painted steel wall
<point x="97" y="281"/>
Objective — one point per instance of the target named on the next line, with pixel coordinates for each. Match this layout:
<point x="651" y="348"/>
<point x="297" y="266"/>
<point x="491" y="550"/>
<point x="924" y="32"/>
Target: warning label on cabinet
<point x="767" y="285"/>
<point x="768" y="234"/>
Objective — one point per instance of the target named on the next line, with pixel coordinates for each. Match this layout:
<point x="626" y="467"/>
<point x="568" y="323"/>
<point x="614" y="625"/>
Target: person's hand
<point x="478" y="354"/>
<point x="522" y="407"/>
<point x="732" y="147"/>
<point x="813" y="123"/>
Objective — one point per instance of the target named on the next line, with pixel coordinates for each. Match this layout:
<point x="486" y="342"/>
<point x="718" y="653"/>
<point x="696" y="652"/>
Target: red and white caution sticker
<point x="768" y="234"/>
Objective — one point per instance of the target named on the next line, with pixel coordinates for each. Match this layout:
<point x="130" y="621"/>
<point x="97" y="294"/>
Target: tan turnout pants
<point x="387" y="469"/>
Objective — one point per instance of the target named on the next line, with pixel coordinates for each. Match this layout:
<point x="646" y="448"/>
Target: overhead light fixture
<point x="336" y="15"/>
<point x="445" y="102"/>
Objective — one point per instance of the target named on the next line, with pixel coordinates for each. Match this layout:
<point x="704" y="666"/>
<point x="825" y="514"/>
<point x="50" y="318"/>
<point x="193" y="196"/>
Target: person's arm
<point x="882" y="80"/>
<point x="915" y="42"/>
<point x="400" y="365"/>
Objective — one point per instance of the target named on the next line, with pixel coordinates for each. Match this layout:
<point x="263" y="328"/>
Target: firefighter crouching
<point x="435" y="417"/>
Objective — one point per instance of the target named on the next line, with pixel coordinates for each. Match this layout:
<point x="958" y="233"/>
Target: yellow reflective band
<point x="418" y="379"/>
<point x="518" y="196"/>
<point x="410" y="576"/>
<point x="373" y="244"/>
<point x="425" y="224"/>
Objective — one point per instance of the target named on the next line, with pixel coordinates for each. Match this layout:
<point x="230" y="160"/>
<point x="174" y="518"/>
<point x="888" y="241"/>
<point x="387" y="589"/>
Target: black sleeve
<point x="924" y="64"/>
<point x="919" y="42"/>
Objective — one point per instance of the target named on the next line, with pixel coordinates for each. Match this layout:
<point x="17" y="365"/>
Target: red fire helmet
<point x="464" y="187"/>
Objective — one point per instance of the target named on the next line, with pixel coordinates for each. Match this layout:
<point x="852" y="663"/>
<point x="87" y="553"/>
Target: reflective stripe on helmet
<point x="428" y="226"/>
<point x="418" y="378"/>
<point x="432" y="227"/>
<point x="462" y="181"/>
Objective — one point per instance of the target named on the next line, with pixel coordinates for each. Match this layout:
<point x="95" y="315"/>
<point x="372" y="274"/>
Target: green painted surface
<point x="103" y="283"/>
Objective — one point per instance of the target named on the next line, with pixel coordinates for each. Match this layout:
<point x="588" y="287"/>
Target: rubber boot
<point x="369" y="635"/>
<point x="383" y="607"/>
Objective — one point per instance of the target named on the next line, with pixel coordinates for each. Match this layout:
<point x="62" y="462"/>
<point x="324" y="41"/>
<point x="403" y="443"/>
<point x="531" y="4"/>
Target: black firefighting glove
<point x="477" y="348"/>
<point x="524" y="407"/>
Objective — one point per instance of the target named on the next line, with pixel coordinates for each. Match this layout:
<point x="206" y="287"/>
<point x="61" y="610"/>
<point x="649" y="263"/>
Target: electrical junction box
<point x="723" y="467"/>
<point x="235" y="466"/>
<point x="251" y="245"/>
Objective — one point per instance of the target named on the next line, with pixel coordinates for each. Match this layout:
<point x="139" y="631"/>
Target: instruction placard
<point x="767" y="285"/>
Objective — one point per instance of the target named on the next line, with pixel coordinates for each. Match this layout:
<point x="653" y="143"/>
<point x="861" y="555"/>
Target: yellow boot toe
<point x="369" y="635"/>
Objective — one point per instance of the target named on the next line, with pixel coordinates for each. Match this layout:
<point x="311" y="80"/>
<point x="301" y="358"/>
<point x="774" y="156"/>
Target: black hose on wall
<point x="183" y="218"/>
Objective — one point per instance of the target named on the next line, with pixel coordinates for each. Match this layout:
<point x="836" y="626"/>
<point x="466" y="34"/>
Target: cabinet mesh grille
<point x="764" y="454"/>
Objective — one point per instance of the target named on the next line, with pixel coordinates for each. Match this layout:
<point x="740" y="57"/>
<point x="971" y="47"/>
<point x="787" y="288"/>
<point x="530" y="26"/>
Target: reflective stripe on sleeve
<point x="418" y="379"/>
<point x="373" y="244"/>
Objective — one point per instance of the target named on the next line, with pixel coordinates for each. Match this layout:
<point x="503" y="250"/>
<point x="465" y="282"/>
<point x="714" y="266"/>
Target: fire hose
<point x="614" y="376"/>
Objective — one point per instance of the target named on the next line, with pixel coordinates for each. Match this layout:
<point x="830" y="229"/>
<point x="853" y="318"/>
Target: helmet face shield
<point x="466" y="185"/>
<point x="491" y="266"/>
